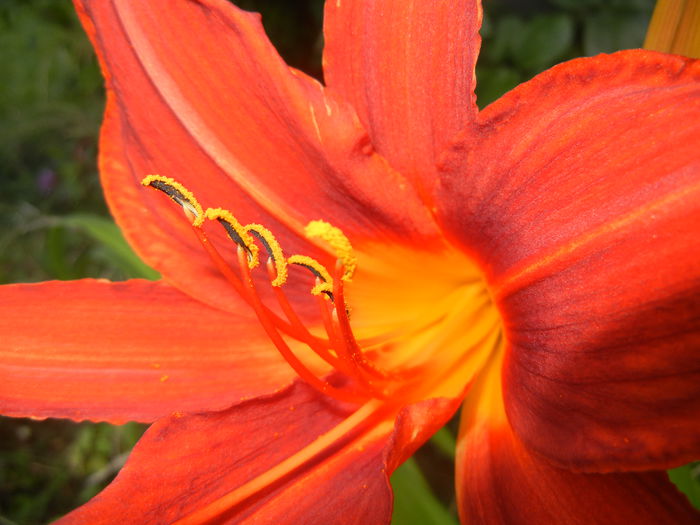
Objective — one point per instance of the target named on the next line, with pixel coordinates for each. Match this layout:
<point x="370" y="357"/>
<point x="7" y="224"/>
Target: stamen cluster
<point x="360" y="379"/>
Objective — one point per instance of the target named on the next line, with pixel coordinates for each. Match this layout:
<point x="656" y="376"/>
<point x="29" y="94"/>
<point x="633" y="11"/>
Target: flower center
<point x="423" y="322"/>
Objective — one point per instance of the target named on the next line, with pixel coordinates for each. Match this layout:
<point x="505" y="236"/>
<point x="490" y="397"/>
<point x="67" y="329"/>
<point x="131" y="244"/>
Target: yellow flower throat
<point x="423" y="322"/>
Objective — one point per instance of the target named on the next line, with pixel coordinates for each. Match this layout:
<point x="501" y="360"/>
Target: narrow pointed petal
<point x="196" y="92"/>
<point x="407" y="66"/>
<point x="580" y="190"/>
<point x="181" y="465"/>
<point x="500" y="482"/>
<point x="136" y="350"/>
<point x="293" y="457"/>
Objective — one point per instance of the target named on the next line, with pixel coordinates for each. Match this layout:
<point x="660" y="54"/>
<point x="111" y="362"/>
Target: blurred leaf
<point x="413" y="500"/>
<point x="687" y="479"/>
<point x="108" y="235"/>
<point x="634" y="5"/>
<point x="445" y="442"/>
<point x="492" y="82"/>
<point x="486" y="25"/>
<point x="503" y="37"/>
<point x="545" y="40"/>
<point x="573" y="5"/>
<point x="55" y="92"/>
<point x="55" y="254"/>
<point x="609" y="31"/>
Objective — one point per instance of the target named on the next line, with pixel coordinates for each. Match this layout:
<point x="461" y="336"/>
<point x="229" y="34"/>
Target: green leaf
<point x="574" y="5"/>
<point x="609" y="31"/>
<point x="107" y="234"/>
<point x="502" y="37"/>
<point x="687" y="479"/>
<point x="546" y="39"/>
<point x="413" y="500"/>
<point x="493" y="82"/>
<point x="54" y="254"/>
<point x="445" y="442"/>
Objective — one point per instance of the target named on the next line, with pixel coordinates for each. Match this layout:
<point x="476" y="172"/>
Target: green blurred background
<point x="54" y="223"/>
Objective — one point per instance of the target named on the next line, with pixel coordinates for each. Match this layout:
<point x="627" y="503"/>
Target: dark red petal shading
<point x="500" y="482"/>
<point x="408" y="69"/>
<point x="183" y="464"/>
<point x="136" y="350"/>
<point x="580" y="193"/>
<point x="197" y="92"/>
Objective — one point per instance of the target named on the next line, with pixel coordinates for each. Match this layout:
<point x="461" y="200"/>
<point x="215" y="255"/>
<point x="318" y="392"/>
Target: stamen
<point x="347" y="363"/>
<point x="338" y="242"/>
<point x="326" y="281"/>
<point x="178" y="193"/>
<point x="237" y="232"/>
<point x="274" y="250"/>
<point x="341" y="320"/>
<point x="340" y="350"/>
<point x="313" y="341"/>
<point x="269" y="327"/>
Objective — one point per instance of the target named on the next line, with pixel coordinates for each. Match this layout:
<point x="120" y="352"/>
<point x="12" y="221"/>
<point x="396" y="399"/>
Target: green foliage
<point x="518" y="44"/>
<point x="607" y="30"/>
<point x="109" y="237"/>
<point x="413" y="499"/>
<point x="545" y="40"/>
<point x="51" y="100"/>
<point x="687" y="479"/>
<point x="48" y="467"/>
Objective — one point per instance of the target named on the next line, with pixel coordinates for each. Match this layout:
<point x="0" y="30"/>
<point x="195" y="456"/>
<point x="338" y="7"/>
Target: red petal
<point x="293" y="457"/>
<point x="408" y="69"/>
<point x="415" y="424"/>
<point x="181" y="465"/>
<point x="580" y="193"/>
<point x="500" y="482"/>
<point x="197" y="93"/>
<point x="126" y="351"/>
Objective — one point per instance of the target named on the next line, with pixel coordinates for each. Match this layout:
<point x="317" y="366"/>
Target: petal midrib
<point x="201" y="133"/>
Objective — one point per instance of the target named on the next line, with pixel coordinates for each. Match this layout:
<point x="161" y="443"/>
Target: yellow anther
<point x="338" y="242"/>
<point x="315" y="267"/>
<point x="179" y="194"/>
<point x="237" y="232"/>
<point x="274" y="250"/>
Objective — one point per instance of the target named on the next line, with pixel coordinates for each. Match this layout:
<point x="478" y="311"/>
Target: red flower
<point x="539" y="257"/>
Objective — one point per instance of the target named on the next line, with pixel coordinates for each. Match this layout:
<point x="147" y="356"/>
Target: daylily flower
<point x="537" y="259"/>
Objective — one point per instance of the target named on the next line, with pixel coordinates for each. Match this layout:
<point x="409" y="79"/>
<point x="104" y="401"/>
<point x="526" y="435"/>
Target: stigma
<point x="357" y="379"/>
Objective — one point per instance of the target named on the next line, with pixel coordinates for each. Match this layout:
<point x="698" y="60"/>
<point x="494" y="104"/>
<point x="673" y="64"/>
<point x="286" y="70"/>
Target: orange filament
<point x="269" y="327"/>
<point x="290" y="314"/>
<point x="342" y="321"/>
